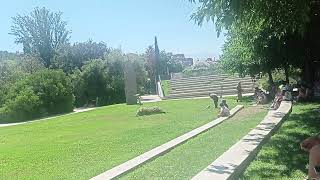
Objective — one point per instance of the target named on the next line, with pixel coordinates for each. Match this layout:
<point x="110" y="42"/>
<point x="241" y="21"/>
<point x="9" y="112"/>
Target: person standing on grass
<point x="215" y="99"/>
<point x="239" y="90"/>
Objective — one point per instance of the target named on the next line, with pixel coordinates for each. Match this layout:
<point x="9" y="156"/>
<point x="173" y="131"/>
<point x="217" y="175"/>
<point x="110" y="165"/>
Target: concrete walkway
<point x="232" y="163"/>
<point x="150" y="98"/>
<point x="76" y="110"/>
<point x="160" y="150"/>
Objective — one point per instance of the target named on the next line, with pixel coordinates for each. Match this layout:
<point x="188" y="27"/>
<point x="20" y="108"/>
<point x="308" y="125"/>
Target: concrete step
<point x="201" y="77"/>
<point x="203" y="94"/>
<point x="209" y="79"/>
<point x="200" y="86"/>
<point x="216" y="91"/>
<point x="213" y="89"/>
<point x="224" y="81"/>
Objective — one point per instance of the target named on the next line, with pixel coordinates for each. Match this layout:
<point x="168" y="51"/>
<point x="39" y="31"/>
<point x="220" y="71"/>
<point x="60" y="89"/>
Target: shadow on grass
<point x="248" y="99"/>
<point x="9" y="120"/>
<point x="281" y="156"/>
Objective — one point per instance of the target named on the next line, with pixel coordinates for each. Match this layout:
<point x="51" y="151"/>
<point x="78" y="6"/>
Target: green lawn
<point x="82" y="145"/>
<point x="187" y="160"/>
<point x="281" y="157"/>
<point x="165" y="87"/>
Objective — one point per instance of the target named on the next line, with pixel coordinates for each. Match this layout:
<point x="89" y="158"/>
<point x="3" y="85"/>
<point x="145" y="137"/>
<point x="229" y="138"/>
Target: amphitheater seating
<point x="201" y="86"/>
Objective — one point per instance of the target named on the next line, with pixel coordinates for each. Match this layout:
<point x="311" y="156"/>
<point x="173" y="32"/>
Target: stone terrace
<point x="201" y="86"/>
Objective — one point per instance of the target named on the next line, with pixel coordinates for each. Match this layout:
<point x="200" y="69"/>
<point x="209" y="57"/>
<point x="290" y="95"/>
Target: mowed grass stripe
<point x="188" y="159"/>
<point x="80" y="146"/>
<point x="281" y="157"/>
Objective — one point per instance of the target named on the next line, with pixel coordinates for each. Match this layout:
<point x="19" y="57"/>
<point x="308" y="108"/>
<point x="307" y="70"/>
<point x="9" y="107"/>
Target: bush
<point x="149" y="111"/>
<point x="278" y="78"/>
<point x="43" y="93"/>
<point x="24" y="106"/>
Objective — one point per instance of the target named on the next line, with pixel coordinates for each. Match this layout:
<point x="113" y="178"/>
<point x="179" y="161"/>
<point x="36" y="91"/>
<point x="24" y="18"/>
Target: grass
<point x="80" y="146"/>
<point x="165" y="87"/>
<point x="187" y="160"/>
<point x="281" y="157"/>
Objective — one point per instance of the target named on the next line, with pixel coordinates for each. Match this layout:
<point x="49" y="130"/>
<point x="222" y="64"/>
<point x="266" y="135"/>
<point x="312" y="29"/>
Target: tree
<point x="5" y="55"/>
<point x="30" y="64"/>
<point x="156" y="59"/>
<point x="70" y="57"/>
<point x="264" y="35"/>
<point x="150" y="68"/>
<point x="10" y="72"/>
<point x="95" y="81"/>
<point x="41" y="32"/>
<point x="281" y="16"/>
<point x="42" y="93"/>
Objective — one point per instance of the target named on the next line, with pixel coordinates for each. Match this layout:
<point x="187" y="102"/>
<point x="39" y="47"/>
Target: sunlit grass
<point x="187" y="160"/>
<point x="281" y="157"/>
<point x="80" y="146"/>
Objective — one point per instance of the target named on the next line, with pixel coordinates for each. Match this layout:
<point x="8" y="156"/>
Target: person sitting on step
<point x="277" y="100"/>
<point x="224" y="111"/>
<point x="262" y="98"/>
<point x="224" y="102"/>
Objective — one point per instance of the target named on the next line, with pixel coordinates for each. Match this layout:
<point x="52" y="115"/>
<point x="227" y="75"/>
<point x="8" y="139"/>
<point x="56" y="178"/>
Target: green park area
<point x="281" y="157"/>
<point x="186" y="160"/>
<point x="82" y="145"/>
<point x="85" y="144"/>
<point x="84" y="91"/>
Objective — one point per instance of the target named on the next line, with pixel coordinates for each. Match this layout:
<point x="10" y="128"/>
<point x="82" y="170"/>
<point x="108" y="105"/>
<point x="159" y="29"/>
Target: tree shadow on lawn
<point x="282" y="156"/>
<point x="247" y="99"/>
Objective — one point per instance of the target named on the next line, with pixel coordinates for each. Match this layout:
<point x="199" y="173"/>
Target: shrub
<point x="24" y="106"/>
<point x="278" y="78"/>
<point x="149" y="111"/>
<point x="54" y="90"/>
<point x="43" y="93"/>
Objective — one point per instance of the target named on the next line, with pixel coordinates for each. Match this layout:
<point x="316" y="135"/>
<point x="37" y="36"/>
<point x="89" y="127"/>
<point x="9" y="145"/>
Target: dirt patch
<point x="248" y="111"/>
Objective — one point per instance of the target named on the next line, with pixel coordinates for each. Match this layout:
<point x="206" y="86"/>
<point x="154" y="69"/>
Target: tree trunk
<point x="308" y="72"/>
<point x="286" y="72"/>
<point x="270" y="78"/>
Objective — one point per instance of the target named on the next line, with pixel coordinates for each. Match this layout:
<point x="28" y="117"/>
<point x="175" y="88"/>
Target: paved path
<point x="160" y="150"/>
<point x="232" y="163"/>
<point x="150" y="98"/>
<point x="77" y="110"/>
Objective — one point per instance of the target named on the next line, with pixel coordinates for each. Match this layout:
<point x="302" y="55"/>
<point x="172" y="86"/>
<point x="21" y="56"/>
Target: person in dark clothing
<point x="239" y="90"/>
<point x="215" y="99"/>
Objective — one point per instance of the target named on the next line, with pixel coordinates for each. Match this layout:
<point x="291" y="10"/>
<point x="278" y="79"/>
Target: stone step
<point x="204" y="86"/>
<point x="225" y="81"/>
<point x="216" y="91"/>
<point x="210" y="89"/>
<point x="205" y="94"/>
<point x="201" y="77"/>
<point x="210" y="79"/>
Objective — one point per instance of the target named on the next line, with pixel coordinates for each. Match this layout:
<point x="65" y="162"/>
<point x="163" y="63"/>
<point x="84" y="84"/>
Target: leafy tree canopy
<point x="41" y="32"/>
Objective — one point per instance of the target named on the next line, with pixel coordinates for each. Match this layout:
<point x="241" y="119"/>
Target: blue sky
<point x="129" y="24"/>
